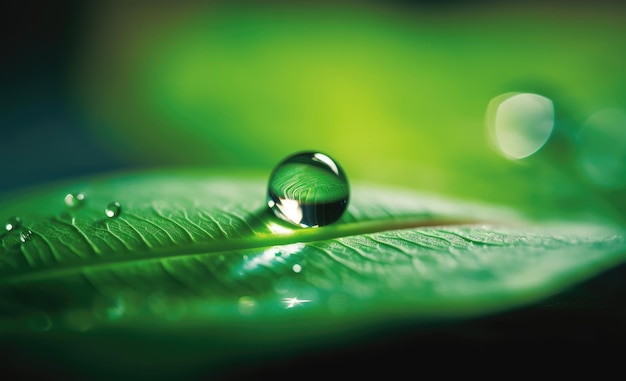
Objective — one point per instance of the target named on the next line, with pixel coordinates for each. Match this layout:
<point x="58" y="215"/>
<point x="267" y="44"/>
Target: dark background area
<point x="42" y="134"/>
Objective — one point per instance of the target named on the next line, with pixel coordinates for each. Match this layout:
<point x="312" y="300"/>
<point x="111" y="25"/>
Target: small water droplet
<point x="113" y="209"/>
<point x="74" y="200"/>
<point x="296" y="268"/>
<point x="13" y="223"/>
<point x="308" y="189"/>
<point x="26" y="235"/>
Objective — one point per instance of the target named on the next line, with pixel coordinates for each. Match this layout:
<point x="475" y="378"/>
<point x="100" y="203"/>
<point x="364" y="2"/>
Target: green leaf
<point x="197" y="257"/>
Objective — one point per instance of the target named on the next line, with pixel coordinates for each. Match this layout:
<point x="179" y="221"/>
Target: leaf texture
<point x="196" y="248"/>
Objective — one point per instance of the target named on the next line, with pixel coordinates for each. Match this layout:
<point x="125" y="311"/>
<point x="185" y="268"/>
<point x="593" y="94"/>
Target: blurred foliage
<point x="398" y="94"/>
<point x="396" y="91"/>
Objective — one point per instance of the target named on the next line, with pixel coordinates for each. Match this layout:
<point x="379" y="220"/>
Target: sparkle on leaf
<point x="292" y="302"/>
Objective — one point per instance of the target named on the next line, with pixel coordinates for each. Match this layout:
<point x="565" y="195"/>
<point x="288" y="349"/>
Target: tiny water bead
<point x="74" y="200"/>
<point x="26" y="235"/>
<point x="308" y="189"/>
<point x="113" y="209"/>
<point x="13" y="223"/>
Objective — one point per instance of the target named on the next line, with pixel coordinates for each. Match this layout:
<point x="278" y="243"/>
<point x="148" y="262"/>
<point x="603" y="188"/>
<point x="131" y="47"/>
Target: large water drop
<point x="308" y="189"/>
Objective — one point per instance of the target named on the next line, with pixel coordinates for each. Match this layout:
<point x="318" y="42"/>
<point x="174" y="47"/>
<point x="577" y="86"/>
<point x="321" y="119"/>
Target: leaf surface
<point x="195" y="252"/>
<point x="210" y="243"/>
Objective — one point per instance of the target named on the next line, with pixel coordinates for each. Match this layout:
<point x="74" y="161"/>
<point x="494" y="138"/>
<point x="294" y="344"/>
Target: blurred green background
<point x="397" y="92"/>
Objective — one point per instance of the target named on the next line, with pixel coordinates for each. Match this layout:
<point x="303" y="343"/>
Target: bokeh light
<point x="520" y="123"/>
<point x="395" y="91"/>
<point x="602" y="142"/>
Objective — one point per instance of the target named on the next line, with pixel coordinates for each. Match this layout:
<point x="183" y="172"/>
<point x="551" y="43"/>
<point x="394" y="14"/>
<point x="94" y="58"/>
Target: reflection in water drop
<point x="296" y="268"/>
<point x="26" y="235"/>
<point x="13" y="223"/>
<point x="113" y="209"/>
<point x="308" y="189"/>
<point x="602" y="142"/>
<point x="520" y="123"/>
<point x="74" y="200"/>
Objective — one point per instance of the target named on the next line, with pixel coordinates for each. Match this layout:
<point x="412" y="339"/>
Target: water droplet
<point x="520" y="123"/>
<point x="13" y="223"/>
<point x="26" y="235"/>
<point x="74" y="200"/>
<point x="296" y="268"/>
<point x="113" y="209"/>
<point x="308" y="189"/>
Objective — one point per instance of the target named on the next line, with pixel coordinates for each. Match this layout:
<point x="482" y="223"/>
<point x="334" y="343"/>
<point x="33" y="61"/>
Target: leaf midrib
<point x="257" y="241"/>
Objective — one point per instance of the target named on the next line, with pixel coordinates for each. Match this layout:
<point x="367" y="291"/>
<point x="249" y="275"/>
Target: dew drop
<point x="13" y="223"/>
<point x="74" y="200"/>
<point x="113" y="209"/>
<point x="308" y="189"/>
<point x="26" y="235"/>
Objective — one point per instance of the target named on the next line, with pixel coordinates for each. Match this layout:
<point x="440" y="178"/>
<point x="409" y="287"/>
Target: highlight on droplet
<point x="520" y="124"/>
